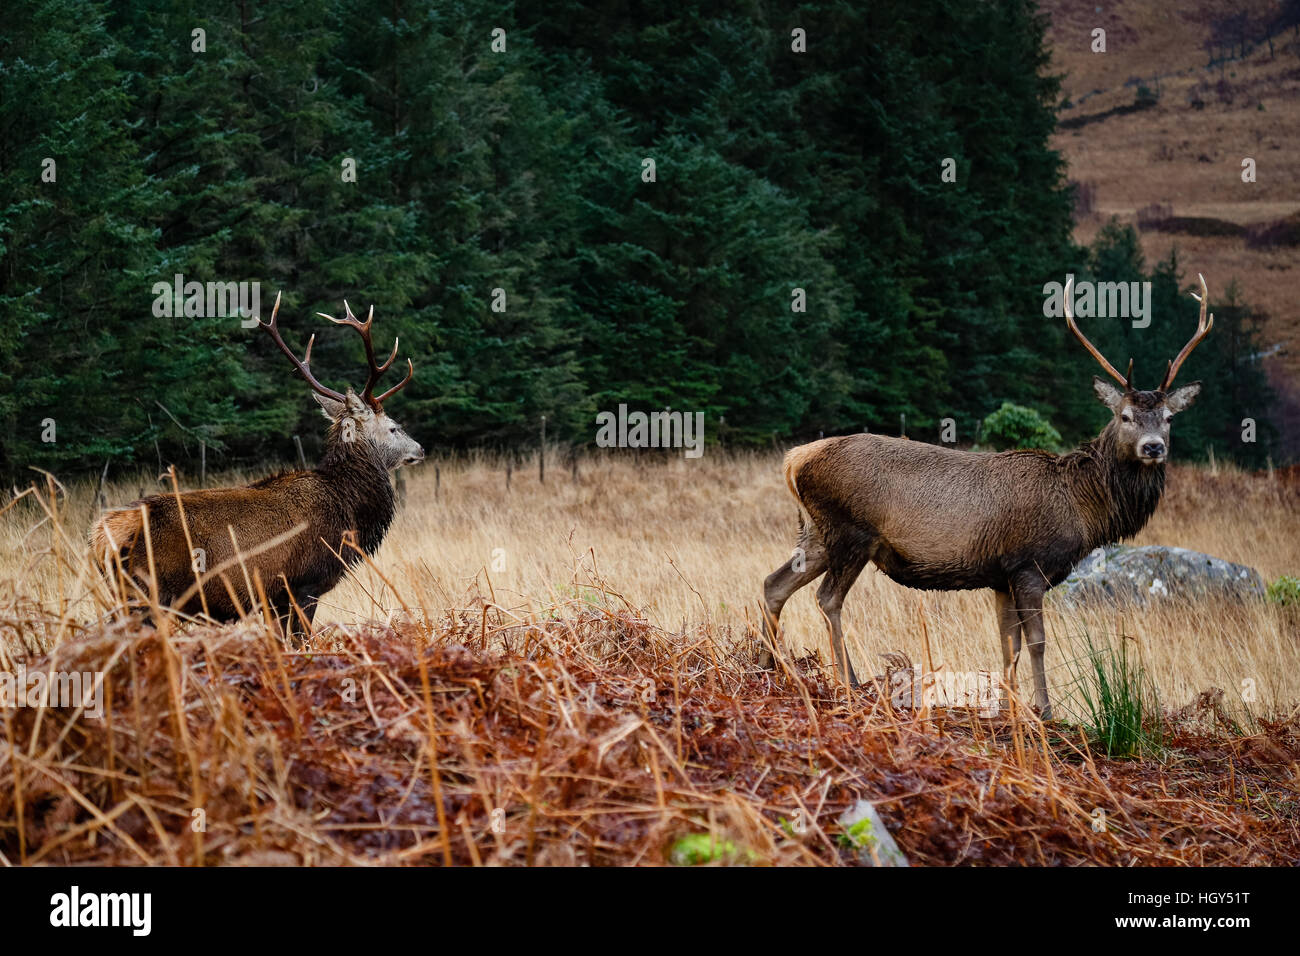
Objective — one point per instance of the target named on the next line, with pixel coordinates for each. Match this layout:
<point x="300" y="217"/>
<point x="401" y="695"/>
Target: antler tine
<point x="382" y="368"/>
<point x="1126" y="381"/>
<point x="303" y="367"/>
<point x="410" y="370"/>
<point x="1202" y="330"/>
<point x="376" y="369"/>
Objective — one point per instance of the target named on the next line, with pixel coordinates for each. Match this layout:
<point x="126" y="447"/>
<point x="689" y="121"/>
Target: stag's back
<point x="934" y="516"/>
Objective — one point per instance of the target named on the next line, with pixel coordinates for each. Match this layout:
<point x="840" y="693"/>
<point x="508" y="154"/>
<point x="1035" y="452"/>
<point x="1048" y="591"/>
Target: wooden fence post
<point x="99" y="492"/>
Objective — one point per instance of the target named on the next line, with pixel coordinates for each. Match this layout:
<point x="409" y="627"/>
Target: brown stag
<point x="942" y="519"/>
<point x="291" y="536"/>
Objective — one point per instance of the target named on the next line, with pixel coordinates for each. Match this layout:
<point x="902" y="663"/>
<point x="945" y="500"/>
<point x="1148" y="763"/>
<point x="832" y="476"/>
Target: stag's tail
<point x="794" y="460"/>
<point x="115" y="533"/>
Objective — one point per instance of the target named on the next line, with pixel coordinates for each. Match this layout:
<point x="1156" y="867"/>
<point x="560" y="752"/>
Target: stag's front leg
<point x="1009" y="632"/>
<point x="830" y="597"/>
<point x="1031" y="622"/>
<point x="295" y="613"/>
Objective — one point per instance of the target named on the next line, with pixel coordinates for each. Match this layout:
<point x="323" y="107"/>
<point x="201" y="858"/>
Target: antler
<point x="376" y="370"/>
<point x="303" y="367"/>
<point x="1125" y="380"/>
<point x="1202" y="330"/>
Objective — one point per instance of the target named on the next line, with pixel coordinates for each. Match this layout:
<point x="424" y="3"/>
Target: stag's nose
<point x="1153" y="449"/>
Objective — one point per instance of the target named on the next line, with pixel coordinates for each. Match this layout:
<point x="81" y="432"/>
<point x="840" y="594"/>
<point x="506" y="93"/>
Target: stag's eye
<point x="1126" y="415"/>
<point x="1169" y="416"/>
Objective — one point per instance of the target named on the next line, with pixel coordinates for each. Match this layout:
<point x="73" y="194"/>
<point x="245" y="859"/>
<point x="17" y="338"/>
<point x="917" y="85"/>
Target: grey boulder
<point x="1152" y="574"/>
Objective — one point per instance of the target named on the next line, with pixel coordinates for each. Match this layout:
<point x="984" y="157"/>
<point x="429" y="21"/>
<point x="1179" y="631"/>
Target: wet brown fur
<point x="942" y="519"/>
<point x="937" y="518"/>
<point x="348" y="493"/>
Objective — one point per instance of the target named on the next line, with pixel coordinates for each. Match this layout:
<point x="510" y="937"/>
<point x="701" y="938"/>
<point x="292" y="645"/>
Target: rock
<point x="1123" y="575"/>
<point x="864" y="830"/>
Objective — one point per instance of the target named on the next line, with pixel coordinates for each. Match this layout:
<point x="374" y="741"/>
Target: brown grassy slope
<point x="1186" y="157"/>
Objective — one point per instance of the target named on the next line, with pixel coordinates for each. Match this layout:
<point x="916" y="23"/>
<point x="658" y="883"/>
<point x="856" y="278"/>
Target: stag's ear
<point x="1110" y="396"/>
<point x="328" y="406"/>
<point x="1181" y="399"/>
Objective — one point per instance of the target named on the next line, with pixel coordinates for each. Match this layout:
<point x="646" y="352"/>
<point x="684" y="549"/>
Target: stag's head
<point x="355" y="420"/>
<point x="1142" y="418"/>
<point x="358" y="418"/>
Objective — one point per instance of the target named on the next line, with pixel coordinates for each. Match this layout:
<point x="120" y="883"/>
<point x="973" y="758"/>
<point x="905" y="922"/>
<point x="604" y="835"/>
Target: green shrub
<point x="1015" y="426"/>
<point x="1285" y="591"/>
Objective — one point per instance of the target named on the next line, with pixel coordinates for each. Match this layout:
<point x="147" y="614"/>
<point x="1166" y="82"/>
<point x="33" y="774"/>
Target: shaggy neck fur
<point x="361" y="489"/>
<point x="1116" y="496"/>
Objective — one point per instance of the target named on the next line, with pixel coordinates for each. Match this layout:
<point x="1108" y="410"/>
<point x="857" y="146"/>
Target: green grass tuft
<point x="1123" y="716"/>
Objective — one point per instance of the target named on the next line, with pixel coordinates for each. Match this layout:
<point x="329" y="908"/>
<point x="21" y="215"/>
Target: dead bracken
<point x="584" y="735"/>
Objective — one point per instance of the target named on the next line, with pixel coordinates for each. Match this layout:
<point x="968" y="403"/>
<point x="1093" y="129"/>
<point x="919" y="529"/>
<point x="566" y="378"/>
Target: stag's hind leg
<point x="806" y="564"/>
<point x="843" y="570"/>
<point x="1009" y="632"/>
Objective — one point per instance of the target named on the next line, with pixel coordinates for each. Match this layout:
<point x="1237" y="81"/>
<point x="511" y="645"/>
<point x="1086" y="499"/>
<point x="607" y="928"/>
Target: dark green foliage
<point x="1227" y="363"/>
<point x="1015" y="426"/>
<point x="522" y="171"/>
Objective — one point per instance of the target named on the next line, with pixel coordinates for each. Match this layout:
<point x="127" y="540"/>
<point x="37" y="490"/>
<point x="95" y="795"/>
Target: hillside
<point x="1185" y="151"/>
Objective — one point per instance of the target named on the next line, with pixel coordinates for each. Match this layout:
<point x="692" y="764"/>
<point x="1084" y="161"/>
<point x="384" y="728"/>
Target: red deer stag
<point x="344" y="503"/>
<point x="942" y="519"/>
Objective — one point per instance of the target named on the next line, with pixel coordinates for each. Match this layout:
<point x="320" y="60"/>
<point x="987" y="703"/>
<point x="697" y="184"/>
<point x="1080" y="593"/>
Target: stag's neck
<point x="1117" y="497"/>
<point x="359" y="489"/>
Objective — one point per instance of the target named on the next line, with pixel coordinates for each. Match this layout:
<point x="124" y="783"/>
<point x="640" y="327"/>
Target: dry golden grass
<point x="688" y="543"/>
<point x="566" y="677"/>
<point x="691" y="541"/>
